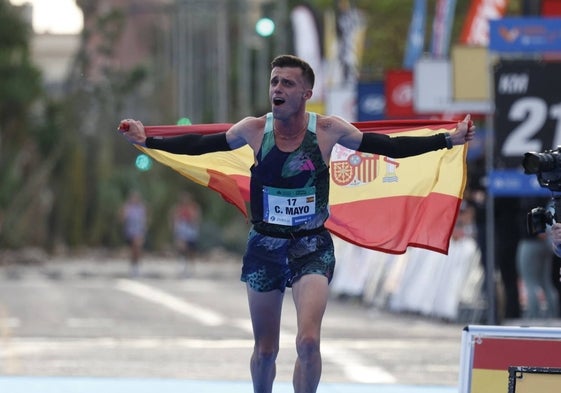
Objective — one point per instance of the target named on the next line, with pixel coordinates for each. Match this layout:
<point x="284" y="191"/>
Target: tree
<point x="19" y="152"/>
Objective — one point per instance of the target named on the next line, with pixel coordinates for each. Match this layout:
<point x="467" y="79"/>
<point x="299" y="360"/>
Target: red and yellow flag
<point x="376" y="202"/>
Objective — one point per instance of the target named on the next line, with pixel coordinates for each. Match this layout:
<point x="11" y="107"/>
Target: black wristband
<point x="448" y="140"/>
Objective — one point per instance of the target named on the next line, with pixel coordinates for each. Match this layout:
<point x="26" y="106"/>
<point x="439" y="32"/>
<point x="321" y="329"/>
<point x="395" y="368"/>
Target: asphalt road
<point x="85" y="317"/>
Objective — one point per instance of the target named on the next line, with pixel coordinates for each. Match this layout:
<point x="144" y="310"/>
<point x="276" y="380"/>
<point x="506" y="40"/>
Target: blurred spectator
<point x="476" y="196"/>
<point x="134" y="220"/>
<point x="556" y="278"/>
<point x="465" y="222"/>
<point x="186" y="219"/>
<point x="508" y="216"/>
<point x="554" y="232"/>
<point x="533" y="262"/>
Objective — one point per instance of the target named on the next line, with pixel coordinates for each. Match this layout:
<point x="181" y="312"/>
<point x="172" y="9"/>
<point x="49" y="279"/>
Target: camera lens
<point x="539" y="162"/>
<point x="531" y="163"/>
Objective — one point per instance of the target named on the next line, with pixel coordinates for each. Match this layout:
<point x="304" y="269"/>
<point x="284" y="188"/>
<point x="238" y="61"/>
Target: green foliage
<point x="112" y="25"/>
<point x="20" y="79"/>
<point x="20" y="88"/>
<point x="72" y="196"/>
<point x="14" y="32"/>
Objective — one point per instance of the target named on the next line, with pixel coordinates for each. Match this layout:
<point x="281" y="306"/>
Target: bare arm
<point x="246" y="132"/>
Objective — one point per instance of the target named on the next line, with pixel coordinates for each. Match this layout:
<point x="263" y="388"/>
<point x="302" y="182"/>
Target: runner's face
<point x="288" y="92"/>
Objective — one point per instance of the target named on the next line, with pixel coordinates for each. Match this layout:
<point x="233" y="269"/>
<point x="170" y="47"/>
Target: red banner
<point x="476" y="26"/>
<point x="399" y="94"/>
<point x="551" y="8"/>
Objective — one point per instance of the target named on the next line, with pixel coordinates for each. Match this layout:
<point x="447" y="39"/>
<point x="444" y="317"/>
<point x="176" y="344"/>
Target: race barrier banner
<point x="489" y="352"/>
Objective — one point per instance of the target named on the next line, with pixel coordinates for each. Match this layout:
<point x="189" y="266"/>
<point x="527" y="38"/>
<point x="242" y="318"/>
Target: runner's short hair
<point x="296" y="62"/>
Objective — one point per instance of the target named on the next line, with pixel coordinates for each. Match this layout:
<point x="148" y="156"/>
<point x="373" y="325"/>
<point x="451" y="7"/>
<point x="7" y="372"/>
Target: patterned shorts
<point x="274" y="263"/>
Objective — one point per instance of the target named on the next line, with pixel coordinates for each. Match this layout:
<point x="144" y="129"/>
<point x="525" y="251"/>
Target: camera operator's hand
<point x="556" y="234"/>
<point x="465" y="131"/>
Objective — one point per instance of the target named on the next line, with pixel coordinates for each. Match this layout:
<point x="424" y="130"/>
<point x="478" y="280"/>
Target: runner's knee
<point x="266" y="353"/>
<point x="307" y="346"/>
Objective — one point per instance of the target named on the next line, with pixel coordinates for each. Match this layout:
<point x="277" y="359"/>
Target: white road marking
<point x="338" y="354"/>
<point x="353" y="367"/>
<point x="81" y="323"/>
<point x="204" y="316"/>
<point x="334" y="353"/>
<point x="8" y="323"/>
<point x="38" y="345"/>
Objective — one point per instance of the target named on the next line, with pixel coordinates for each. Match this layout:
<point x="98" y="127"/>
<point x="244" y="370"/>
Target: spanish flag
<point x="377" y="202"/>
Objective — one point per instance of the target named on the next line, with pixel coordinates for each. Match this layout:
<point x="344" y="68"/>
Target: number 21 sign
<point x="527" y="109"/>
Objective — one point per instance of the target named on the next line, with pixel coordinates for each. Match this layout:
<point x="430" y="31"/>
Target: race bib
<point x="288" y="207"/>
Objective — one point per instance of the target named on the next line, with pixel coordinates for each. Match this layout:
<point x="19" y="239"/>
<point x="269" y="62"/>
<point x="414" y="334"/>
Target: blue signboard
<point x="525" y="35"/>
<point x="371" y="101"/>
<point x="513" y="182"/>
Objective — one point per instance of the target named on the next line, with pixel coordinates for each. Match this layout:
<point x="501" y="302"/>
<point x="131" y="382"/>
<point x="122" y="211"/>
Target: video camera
<point x="547" y="167"/>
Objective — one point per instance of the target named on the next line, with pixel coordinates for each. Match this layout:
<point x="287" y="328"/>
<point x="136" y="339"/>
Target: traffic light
<point x="184" y="121"/>
<point x="265" y="27"/>
<point x="143" y="162"/>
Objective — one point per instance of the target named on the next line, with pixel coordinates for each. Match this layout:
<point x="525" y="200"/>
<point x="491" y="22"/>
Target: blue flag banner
<point x="442" y="27"/>
<point x="416" y="36"/>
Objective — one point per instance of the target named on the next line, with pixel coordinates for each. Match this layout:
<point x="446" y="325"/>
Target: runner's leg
<point x="310" y="295"/>
<point x="265" y="311"/>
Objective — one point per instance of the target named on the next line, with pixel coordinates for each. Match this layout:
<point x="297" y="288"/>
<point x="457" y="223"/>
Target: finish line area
<point x="151" y="385"/>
